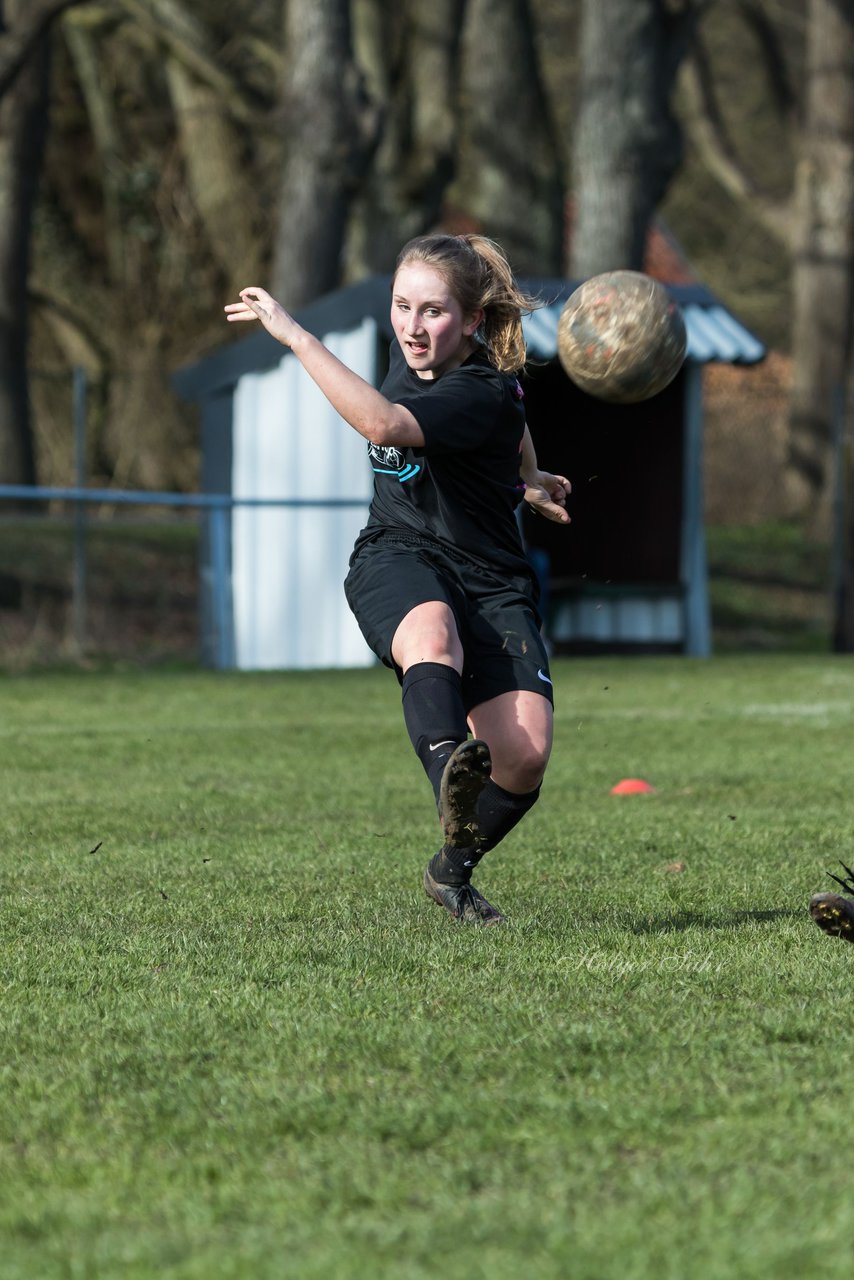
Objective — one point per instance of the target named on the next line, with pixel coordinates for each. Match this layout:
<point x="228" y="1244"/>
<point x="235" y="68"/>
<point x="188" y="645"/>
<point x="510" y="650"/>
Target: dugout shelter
<point x="628" y="575"/>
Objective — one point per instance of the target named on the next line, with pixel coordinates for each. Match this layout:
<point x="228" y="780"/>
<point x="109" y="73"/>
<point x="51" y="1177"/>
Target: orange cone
<point x="631" y="787"/>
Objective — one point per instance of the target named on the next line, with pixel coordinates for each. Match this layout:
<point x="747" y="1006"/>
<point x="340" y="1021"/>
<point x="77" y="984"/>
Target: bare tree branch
<point x="769" y="44"/>
<point x="189" y="43"/>
<point x="211" y="149"/>
<point x="705" y="126"/>
<point x="18" y="42"/>
<point x="69" y="318"/>
<point x="105" y="132"/>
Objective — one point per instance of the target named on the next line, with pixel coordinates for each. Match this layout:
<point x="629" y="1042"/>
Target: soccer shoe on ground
<point x="833" y="913"/>
<point x="463" y="901"/>
<point x="465" y="776"/>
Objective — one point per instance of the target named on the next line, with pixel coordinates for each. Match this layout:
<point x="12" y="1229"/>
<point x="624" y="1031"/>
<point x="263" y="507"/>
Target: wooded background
<point x="156" y="155"/>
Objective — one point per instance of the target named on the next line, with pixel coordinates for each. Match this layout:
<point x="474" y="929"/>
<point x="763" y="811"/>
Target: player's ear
<point x="472" y="322"/>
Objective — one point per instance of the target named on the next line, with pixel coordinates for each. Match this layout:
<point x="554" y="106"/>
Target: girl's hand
<point x="257" y="304"/>
<point x="547" y="495"/>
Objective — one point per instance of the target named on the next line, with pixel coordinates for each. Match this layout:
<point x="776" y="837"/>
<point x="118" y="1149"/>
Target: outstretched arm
<point x="546" y="493"/>
<point x="359" y="404"/>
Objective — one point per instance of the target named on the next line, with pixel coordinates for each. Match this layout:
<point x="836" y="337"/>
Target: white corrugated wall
<point x="288" y="565"/>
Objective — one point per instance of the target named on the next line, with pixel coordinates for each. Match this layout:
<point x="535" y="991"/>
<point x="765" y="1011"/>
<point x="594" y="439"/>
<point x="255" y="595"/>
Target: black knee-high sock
<point x="435" y="715"/>
<point x="498" y="812"/>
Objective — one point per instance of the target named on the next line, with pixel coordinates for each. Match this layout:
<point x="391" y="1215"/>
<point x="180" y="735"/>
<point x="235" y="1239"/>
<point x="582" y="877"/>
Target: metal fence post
<point x="220" y="594"/>
<point x="78" y="573"/>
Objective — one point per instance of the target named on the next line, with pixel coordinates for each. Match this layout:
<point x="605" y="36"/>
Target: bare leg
<point x="428" y="633"/>
<point x="518" y="728"/>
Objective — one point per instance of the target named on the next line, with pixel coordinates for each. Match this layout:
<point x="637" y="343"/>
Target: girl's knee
<point x="522" y="769"/>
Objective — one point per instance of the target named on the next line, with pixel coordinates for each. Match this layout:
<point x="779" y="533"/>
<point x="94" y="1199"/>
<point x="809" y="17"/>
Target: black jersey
<point x="462" y="486"/>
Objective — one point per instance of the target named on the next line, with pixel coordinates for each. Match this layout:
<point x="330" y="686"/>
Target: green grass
<point x="237" y="1041"/>
<point x="769" y="589"/>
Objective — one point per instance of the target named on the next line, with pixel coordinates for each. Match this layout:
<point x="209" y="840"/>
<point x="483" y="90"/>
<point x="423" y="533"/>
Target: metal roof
<point x="713" y="333"/>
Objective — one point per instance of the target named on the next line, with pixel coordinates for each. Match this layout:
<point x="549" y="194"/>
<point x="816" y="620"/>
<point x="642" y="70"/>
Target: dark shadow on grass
<point x="679" y="921"/>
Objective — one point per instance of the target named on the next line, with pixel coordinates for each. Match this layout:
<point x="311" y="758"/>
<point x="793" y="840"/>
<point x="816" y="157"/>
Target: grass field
<point x="237" y="1041"/>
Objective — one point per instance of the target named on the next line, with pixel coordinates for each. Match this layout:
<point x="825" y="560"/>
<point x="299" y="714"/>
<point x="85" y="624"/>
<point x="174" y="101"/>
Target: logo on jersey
<point x="388" y="461"/>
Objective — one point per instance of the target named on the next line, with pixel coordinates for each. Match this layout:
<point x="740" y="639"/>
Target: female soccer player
<point x="438" y="581"/>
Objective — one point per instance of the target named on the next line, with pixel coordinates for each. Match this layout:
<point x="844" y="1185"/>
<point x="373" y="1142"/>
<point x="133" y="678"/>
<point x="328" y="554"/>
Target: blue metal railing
<point x="217" y="507"/>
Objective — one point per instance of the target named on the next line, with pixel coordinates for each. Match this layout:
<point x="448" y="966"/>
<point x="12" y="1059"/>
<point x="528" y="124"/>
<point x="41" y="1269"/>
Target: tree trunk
<point x="412" y="62"/>
<point x="843" y="575"/>
<point x="23" y="121"/>
<point x="329" y="131"/>
<point x="823" y="278"/>
<point x="627" y="143"/>
<point x="510" y="178"/>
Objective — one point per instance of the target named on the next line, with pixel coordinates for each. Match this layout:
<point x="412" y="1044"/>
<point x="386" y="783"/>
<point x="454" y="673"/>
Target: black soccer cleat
<point x="466" y="774"/>
<point x="465" y="903"/>
<point x="833" y="914"/>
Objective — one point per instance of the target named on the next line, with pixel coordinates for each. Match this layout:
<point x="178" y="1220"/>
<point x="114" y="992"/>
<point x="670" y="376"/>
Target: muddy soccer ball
<point x="621" y="337"/>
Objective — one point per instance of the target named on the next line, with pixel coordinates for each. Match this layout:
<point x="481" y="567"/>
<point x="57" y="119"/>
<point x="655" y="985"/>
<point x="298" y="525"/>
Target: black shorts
<point x="497" y="619"/>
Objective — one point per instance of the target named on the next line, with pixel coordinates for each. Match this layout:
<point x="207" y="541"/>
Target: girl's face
<point x="428" y="322"/>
